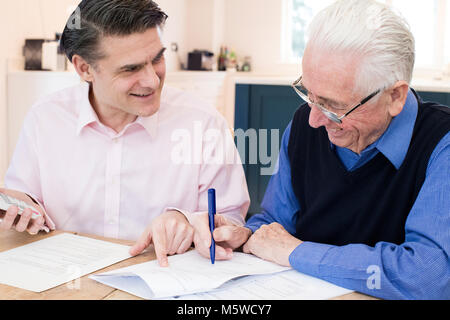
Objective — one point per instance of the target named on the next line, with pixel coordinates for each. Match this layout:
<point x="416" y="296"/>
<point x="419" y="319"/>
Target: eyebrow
<point x="142" y="64"/>
<point x="328" y="100"/>
<point x="331" y="101"/>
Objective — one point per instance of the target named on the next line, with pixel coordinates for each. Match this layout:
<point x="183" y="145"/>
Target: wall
<point x="20" y="19"/>
<point x="175" y="29"/>
<point x="253" y="27"/>
<point x="250" y="27"/>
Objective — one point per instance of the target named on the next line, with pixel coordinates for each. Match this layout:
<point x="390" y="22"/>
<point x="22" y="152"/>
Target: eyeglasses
<point x="304" y="94"/>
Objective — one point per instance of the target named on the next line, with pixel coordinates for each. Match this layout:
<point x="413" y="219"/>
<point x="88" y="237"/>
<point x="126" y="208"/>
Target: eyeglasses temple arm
<point x="361" y="103"/>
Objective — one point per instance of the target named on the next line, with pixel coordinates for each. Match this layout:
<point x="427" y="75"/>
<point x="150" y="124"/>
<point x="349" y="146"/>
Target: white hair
<point x="371" y="31"/>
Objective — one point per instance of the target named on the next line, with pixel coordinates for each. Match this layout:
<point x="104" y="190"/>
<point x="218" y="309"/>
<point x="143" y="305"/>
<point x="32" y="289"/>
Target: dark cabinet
<point x="441" y="97"/>
<point x="259" y="107"/>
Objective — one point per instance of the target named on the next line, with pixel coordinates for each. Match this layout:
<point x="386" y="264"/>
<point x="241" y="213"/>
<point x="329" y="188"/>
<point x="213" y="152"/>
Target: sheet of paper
<point x="187" y="273"/>
<point x="286" y="285"/>
<point x="48" y="263"/>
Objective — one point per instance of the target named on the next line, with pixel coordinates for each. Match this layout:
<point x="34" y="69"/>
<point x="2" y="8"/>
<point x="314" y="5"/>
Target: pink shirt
<point x="90" y="179"/>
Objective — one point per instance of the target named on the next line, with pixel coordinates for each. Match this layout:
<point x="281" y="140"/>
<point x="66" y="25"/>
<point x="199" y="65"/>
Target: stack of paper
<point x="47" y="263"/>
<point x="285" y="285"/>
<point x="190" y="276"/>
<point x="187" y="273"/>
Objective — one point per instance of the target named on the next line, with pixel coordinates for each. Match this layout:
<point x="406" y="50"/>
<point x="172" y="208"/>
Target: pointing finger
<point x="160" y="244"/>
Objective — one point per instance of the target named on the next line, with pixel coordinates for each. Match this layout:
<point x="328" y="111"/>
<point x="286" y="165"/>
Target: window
<point x="429" y="22"/>
<point x="416" y="15"/>
<point x="297" y="14"/>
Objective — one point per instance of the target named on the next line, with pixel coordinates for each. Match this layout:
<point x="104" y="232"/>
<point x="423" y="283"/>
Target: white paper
<point x="48" y="263"/>
<point x="187" y="273"/>
<point x="286" y="285"/>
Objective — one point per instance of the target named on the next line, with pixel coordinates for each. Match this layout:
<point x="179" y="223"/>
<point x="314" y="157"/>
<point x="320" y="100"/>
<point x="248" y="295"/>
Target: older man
<point x="101" y="158"/>
<point x="362" y="195"/>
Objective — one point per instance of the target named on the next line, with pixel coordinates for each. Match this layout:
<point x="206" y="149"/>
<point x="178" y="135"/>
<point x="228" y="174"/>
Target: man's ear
<point x="84" y="69"/>
<point x="399" y="93"/>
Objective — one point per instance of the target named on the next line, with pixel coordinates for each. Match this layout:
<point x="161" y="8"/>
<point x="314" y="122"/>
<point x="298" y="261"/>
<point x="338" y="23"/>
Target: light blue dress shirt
<point x="419" y="268"/>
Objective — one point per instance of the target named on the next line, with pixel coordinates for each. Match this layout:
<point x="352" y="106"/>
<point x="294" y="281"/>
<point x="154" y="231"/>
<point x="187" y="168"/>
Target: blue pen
<point x="211" y="213"/>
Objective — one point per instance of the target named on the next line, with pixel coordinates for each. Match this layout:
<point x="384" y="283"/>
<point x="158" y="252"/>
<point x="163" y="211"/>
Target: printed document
<point x="48" y="263"/>
<point x="187" y="273"/>
<point x="286" y="285"/>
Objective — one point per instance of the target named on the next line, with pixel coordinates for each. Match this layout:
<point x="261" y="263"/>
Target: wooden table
<point x="85" y="288"/>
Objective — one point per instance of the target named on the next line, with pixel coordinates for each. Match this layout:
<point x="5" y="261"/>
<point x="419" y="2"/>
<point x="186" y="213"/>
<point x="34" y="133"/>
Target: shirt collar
<point x="150" y="124"/>
<point x="87" y="116"/>
<point x="395" y="141"/>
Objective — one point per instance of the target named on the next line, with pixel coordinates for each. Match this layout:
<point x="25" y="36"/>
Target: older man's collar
<point x="394" y="143"/>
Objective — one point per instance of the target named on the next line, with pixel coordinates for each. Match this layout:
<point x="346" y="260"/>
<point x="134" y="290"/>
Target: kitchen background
<point x="267" y="34"/>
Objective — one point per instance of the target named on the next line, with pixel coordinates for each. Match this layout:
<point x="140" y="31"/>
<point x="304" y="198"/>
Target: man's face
<point x="331" y="80"/>
<point x="129" y="80"/>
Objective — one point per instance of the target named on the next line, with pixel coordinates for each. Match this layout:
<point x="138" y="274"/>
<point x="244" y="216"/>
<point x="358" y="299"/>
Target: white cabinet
<point x="207" y="85"/>
<point x="24" y="89"/>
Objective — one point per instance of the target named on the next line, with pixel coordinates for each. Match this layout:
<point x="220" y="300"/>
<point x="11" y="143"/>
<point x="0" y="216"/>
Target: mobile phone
<point x="8" y="201"/>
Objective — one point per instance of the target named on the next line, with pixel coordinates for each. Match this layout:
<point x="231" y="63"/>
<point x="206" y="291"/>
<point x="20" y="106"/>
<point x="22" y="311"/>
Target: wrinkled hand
<point x="23" y="222"/>
<point x="170" y="233"/>
<point x="273" y="243"/>
<point x="227" y="236"/>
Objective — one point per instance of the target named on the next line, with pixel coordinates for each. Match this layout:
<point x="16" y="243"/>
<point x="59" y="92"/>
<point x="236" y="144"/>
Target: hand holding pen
<point x="216" y="236"/>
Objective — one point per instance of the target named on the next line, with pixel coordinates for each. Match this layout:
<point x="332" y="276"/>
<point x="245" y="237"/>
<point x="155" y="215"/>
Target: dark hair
<point x="94" y="19"/>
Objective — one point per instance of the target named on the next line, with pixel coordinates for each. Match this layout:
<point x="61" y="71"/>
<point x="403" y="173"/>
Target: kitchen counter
<point x="419" y="84"/>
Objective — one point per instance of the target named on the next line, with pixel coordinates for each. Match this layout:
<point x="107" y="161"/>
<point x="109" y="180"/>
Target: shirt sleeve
<point x="23" y="172"/>
<point x="419" y="268"/>
<point x="280" y="203"/>
<point x="222" y="170"/>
